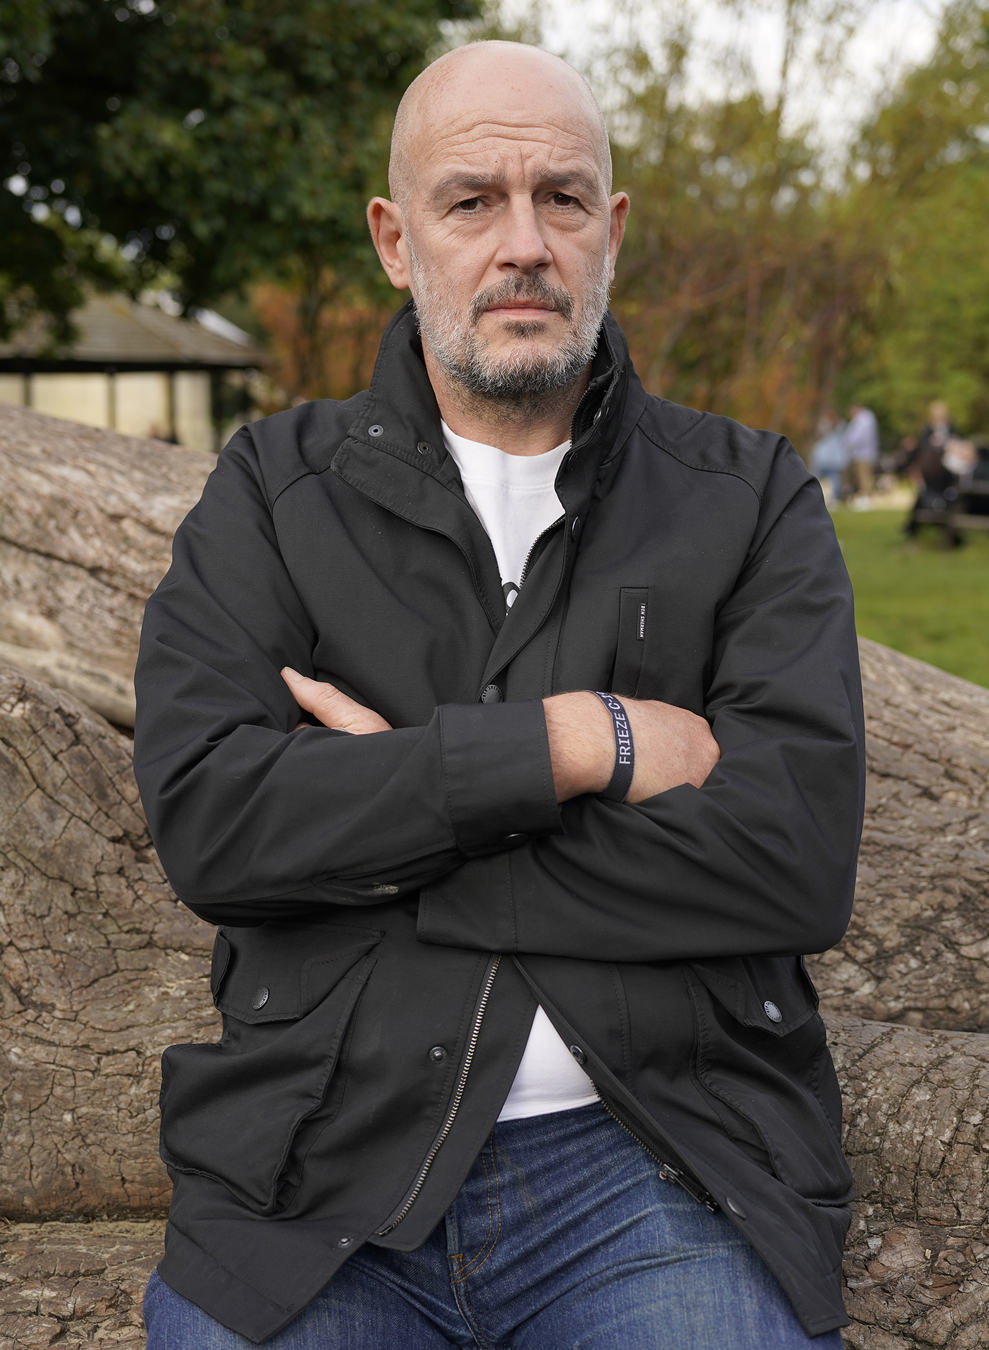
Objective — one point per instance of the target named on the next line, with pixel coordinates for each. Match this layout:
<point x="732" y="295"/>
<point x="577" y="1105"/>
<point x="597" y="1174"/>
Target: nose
<point x="522" y="246"/>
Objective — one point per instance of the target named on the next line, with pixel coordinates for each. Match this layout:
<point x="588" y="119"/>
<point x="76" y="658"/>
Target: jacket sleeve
<point x="761" y="858"/>
<point x="255" y="820"/>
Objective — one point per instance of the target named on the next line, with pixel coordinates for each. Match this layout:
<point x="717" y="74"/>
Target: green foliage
<point x="925" y="162"/>
<point x="225" y="142"/>
<point x="736" y="282"/>
<point x="217" y="140"/>
<point x="754" y="284"/>
<point x="922" y="600"/>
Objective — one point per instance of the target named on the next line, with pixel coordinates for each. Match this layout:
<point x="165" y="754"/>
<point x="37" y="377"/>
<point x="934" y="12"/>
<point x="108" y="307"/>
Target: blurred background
<point x="183" y="248"/>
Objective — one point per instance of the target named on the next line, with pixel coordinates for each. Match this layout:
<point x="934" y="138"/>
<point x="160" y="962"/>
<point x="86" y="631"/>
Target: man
<point x="862" y="444"/>
<point x="518" y="1048"/>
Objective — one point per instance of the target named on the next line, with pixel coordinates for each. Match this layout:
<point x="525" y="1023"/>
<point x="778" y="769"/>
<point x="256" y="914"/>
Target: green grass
<point x="923" y="600"/>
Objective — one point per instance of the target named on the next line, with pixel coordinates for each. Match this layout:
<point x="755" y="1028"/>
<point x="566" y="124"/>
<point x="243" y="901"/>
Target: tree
<point x="923" y="186"/>
<point x="738" y="284"/>
<point x="217" y="141"/>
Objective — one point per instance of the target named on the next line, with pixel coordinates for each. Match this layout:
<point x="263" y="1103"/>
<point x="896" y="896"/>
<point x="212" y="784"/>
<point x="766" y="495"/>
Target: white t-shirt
<point x="514" y="497"/>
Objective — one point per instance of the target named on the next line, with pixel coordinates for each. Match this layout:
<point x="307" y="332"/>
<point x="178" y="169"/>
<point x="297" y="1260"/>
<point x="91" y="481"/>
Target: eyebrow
<point x="464" y="184"/>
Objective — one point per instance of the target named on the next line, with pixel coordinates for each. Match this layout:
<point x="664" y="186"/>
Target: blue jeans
<point x="563" y="1237"/>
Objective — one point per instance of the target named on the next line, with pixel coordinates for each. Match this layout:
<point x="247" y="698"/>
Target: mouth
<point x="525" y="303"/>
<point x="521" y="309"/>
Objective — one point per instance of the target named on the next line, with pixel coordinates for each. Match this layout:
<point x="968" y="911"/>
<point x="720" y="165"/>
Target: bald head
<point x="503" y="225"/>
<point x="484" y="87"/>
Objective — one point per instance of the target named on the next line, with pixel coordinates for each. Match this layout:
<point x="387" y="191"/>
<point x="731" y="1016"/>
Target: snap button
<point x="575" y="526"/>
<point x="772" y="1012"/>
<point x="376" y="430"/>
<point x="491" y="694"/>
<point x="735" y="1207"/>
<point x="597" y="415"/>
<point x="437" y="1054"/>
<point x="514" y="840"/>
<point x="344" y="1241"/>
<point x="578" y="1054"/>
<point x="260" y="997"/>
<point x="424" y="447"/>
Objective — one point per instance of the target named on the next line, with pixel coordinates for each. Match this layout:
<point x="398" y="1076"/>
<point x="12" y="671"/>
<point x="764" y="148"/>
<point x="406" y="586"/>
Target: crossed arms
<point x="672" y="746"/>
<point x="254" y="820"/>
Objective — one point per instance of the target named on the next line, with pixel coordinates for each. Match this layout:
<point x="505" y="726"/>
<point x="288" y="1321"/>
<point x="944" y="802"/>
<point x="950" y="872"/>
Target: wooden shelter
<point x="138" y="369"/>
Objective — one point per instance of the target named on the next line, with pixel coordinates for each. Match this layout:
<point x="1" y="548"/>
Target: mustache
<point x="531" y="287"/>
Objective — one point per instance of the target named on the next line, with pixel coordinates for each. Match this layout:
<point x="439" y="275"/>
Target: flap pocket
<point x="762" y="1055"/>
<point x="770" y="993"/>
<point x="232" y="1110"/>
<point x="257" y="975"/>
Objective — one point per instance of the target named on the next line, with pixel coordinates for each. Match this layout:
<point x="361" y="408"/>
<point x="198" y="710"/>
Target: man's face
<point x="511" y="237"/>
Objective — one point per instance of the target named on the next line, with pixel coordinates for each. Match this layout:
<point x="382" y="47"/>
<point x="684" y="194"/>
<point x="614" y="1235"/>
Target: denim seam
<point x="482" y="1255"/>
<point x="470" y="1316"/>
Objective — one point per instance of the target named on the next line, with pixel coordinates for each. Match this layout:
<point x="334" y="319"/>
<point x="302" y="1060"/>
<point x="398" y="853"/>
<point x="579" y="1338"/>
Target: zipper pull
<point x="703" y="1197"/>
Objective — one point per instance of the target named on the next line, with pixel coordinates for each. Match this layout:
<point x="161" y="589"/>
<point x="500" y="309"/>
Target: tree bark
<point x="917" y="948"/>
<point x="100" y="966"/>
<point x="69" y="1284"/>
<point x="86" y="524"/>
<point x="917" y="1138"/>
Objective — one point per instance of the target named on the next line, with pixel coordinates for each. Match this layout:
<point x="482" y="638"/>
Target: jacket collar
<point x="401" y="402"/>
<point x="394" y="453"/>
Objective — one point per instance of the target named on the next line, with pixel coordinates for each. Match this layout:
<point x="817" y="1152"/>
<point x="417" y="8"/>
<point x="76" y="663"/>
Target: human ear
<point x="387" y="228"/>
<point x="619" y="211"/>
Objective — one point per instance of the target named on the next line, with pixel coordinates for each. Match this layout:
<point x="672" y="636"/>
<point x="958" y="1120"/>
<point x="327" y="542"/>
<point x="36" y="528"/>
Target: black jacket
<point x="395" y="904"/>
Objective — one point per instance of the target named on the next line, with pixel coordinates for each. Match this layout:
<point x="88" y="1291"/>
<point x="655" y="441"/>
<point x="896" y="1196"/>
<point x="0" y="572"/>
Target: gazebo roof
<point x="118" y="333"/>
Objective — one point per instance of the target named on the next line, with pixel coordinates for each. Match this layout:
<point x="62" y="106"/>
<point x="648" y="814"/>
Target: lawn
<point x="921" y="599"/>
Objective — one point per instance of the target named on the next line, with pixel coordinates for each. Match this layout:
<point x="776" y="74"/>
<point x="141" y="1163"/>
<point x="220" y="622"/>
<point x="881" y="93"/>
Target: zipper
<point x="667" y="1171"/>
<point x="451" y="1115"/>
<point x="560" y="519"/>
<point x="576" y="412"/>
<point x="538" y="540"/>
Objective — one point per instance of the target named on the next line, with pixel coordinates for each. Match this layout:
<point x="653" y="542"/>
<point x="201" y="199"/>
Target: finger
<point x="332" y="707"/>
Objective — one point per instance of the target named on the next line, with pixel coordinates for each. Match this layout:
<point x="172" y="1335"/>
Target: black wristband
<point x="621" y="779"/>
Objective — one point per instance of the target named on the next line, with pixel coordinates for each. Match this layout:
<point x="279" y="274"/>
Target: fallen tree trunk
<point x="86" y="524"/>
<point x="917" y="1138"/>
<point x="100" y="966"/>
<point x="71" y="1284"/>
<point x="917" y="948"/>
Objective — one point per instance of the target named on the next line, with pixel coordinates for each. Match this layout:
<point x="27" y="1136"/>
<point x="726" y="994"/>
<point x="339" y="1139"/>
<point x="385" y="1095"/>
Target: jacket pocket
<point x="633" y="615"/>
<point x="761" y="1053"/>
<point x="231" y="1110"/>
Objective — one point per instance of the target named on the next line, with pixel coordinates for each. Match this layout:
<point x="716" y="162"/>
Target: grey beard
<point x="524" y="383"/>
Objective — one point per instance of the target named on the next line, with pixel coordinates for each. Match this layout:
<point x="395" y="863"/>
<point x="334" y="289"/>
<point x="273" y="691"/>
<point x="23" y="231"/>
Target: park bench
<point x="954" y="515"/>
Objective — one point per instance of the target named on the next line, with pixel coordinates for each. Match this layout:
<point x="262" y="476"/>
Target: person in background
<point x="829" y="457"/>
<point x="861" y="438"/>
<point x="930" y="474"/>
<point x="939" y="428"/>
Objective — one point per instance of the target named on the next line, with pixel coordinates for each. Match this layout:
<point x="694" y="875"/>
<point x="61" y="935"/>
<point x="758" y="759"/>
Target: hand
<point x="333" y="708"/>
<point x="672" y="746"/>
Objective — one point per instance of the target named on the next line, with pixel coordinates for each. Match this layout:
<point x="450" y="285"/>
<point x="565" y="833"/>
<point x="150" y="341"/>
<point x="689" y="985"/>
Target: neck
<point x="523" y="426"/>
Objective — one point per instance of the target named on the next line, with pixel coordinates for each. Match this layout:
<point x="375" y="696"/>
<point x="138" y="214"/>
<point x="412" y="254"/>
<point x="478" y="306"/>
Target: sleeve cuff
<point x="498" y="774"/>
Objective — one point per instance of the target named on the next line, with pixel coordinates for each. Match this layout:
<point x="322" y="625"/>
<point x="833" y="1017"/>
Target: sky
<point x="887" y="37"/>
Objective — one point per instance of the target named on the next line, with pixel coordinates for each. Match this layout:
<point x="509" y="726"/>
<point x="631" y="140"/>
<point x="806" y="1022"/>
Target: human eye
<point x="469" y="206"/>
<point x="563" y="199"/>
